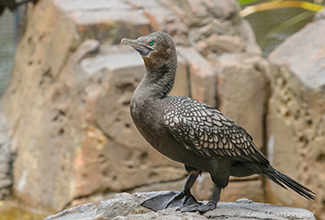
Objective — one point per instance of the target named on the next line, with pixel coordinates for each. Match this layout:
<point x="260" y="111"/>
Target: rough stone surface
<point x="300" y="51"/>
<point x="296" y="122"/>
<point x="181" y="86"/>
<point x="202" y="78"/>
<point x="106" y="151"/>
<point x="243" y="91"/>
<point x="105" y="21"/>
<point x="215" y="26"/>
<point x="249" y="187"/>
<point x="6" y="159"/>
<point x="66" y="109"/>
<point x="126" y="206"/>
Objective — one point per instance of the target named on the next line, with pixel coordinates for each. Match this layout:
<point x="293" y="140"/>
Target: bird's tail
<point x="283" y="181"/>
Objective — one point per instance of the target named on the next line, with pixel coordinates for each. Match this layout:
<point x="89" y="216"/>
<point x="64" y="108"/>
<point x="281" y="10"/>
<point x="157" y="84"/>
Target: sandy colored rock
<point x="215" y="23"/>
<point x="202" y="78"/>
<point x="246" y="33"/>
<point x="224" y="43"/>
<point x="126" y="156"/>
<point x="243" y="91"/>
<point x="249" y="187"/>
<point x="126" y="206"/>
<point x="181" y="86"/>
<point x="303" y="56"/>
<point x="67" y="105"/>
<point x="109" y="26"/>
<point x="105" y="21"/>
<point x="87" y="150"/>
<point x="296" y="116"/>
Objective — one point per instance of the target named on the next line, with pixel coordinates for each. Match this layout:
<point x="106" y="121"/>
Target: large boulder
<point x="126" y="206"/>
<point x="243" y="89"/>
<point x="296" y="122"/>
<point x="66" y="108"/>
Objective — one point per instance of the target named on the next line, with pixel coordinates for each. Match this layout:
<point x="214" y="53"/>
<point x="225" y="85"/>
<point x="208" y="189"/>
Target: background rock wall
<point x="66" y="109"/>
<point x="296" y="119"/>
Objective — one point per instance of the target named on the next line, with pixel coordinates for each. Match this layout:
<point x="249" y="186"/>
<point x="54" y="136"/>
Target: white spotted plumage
<point x="208" y="132"/>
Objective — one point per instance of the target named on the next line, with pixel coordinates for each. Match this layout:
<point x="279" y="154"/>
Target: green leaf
<point x="244" y="2"/>
<point x="285" y="25"/>
<point x="280" y="4"/>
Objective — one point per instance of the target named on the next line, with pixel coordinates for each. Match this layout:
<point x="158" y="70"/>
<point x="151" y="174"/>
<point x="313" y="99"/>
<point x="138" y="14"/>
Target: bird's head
<point x="156" y="49"/>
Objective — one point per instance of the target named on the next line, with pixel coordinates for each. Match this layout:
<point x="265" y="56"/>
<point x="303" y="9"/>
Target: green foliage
<point x="244" y="2"/>
<point x="255" y="6"/>
<point x="285" y="25"/>
<point x="272" y="4"/>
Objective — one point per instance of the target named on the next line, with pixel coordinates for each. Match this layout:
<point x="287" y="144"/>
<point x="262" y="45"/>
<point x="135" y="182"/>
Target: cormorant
<point x="191" y="132"/>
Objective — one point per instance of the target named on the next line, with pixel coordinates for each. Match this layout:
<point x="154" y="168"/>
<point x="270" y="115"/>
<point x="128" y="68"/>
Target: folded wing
<point x="208" y="132"/>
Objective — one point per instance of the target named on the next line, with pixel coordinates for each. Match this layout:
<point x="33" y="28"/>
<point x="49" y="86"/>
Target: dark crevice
<point x="265" y="131"/>
<point x="97" y="125"/>
<point x="216" y="97"/>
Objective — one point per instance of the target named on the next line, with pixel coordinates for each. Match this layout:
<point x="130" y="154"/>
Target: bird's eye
<point x="151" y="43"/>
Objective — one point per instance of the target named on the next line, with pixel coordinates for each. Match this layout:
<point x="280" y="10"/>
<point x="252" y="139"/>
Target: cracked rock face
<point x="296" y="122"/>
<point x="126" y="206"/>
<point x="7" y="155"/>
<point x="67" y="104"/>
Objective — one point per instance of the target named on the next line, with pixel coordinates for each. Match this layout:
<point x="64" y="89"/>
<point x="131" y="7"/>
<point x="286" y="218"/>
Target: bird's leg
<point x="185" y="196"/>
<point x="212" y="204"/>
<point x="174" y="198"/>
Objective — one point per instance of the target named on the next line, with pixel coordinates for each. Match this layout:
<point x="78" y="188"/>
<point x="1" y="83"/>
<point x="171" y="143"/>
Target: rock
<point x="126" y="206"/>
<point x="215" y="24"/>
<point x="223" y="43"/>
<point x="243" y="91"/>
<point x="320" y="15"/>
<point x="68" y="99"/>
<point x="295" y="121"/>
<point x="113" y="24"/>
<point x="66" y="108"/>
<point x="246" y="33"/>
<point x="86" y="211"/>
<point x="122" y="205"/>
<point x="247" y="209"/>
<point x="202" y="77"/>
<point x="181" y="86"/>
<point x="298" y="51"/>
<point x="125" y="155"/>
<point x="7" y="156"/>
<point x="223" y="9"/>
<point x="164" y="19"/>
<point x="168" y="214"/>
<point x="105" y="21"/>
<point x="249" y="187"/>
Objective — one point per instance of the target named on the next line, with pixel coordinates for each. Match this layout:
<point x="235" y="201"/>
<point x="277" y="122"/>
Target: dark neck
<point x="159" y="81"/>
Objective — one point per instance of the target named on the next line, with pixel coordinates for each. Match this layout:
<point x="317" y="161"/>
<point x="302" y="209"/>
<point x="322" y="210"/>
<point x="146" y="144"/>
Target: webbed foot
<point x="211" y="205"/>
<point x="169" y="200"/>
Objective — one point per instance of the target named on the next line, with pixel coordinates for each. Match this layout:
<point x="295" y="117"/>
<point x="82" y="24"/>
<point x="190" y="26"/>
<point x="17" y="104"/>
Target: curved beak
<point x="144" y="50"/>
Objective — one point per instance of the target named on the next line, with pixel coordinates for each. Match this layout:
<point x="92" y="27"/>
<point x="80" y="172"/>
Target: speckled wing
<point x="208" y="132"/>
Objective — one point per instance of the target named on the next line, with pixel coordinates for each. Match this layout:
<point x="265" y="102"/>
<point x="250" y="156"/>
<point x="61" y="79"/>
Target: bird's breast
<point x="147" y="117"/>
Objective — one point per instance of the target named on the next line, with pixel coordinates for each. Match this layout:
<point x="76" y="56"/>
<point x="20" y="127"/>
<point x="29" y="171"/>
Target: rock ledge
<point x="125" y="206"/>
